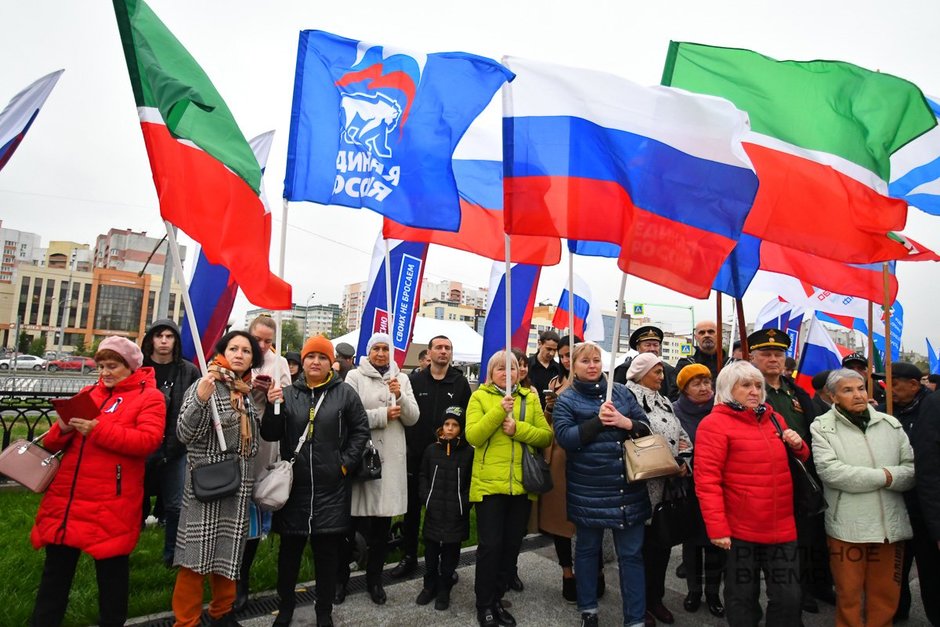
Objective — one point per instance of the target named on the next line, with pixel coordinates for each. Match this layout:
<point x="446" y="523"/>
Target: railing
<point x="25" y="415"/>
<point x="60" y="383"/>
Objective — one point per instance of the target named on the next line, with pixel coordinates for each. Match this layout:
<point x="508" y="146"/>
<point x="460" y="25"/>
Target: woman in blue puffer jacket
<point x="592" y="432"/>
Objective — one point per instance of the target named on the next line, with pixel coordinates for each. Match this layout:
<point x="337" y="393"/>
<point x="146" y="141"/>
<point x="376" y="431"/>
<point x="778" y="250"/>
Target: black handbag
<point x="676" y="518"/>
<point x="536" y="474"/>
<point x="370" y="467"/>
<point x="808" y="498"/>
<point x="218" y="480"/>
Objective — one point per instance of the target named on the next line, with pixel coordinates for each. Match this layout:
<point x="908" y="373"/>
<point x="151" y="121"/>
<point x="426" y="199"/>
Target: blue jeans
<point x="629" y="545"/>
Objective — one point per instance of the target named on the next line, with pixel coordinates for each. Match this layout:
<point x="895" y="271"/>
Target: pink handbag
<point x="29" y="464"/>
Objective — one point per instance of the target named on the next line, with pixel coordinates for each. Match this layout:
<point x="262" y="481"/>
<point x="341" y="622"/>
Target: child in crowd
<point x="445" y="492"/>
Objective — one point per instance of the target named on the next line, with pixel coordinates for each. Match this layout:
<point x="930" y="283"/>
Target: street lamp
<point x="307" y="314"/>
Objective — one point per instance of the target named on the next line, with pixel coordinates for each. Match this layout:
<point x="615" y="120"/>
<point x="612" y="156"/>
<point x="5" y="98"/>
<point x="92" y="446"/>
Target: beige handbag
<point x="29" y="464"/>
<point x="648" y="457"/>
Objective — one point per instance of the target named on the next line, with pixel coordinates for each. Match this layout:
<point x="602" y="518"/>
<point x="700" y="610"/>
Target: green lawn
<point x="151" y="583"/>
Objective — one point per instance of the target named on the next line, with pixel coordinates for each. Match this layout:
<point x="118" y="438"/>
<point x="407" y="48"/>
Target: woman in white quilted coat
<point x="390" y="404"/>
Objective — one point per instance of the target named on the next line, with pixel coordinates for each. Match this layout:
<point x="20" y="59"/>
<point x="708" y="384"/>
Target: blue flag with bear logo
<point x="373" y="126"/>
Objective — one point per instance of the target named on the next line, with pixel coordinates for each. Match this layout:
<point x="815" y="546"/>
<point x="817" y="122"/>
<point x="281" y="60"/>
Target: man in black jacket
<point x="909" y="397"/>
<point x="706" y="348"/>
<point x="166" y="468"/>
<point x="436" y="388"/>
<point x="768" y="353"/>
<point x="649" y="339"/>
<point x="926" y="440"/>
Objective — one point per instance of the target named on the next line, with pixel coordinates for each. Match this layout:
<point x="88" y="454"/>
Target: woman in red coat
<point x="94" y="503"/>
<point x="742" y="479"/>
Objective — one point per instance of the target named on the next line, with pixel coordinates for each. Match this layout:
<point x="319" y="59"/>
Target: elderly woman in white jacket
<point x="865" y="462"/>
<point x="390" y="404"/>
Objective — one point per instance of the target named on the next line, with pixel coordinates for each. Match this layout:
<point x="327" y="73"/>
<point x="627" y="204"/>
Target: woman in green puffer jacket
<point x="501" y="418"/>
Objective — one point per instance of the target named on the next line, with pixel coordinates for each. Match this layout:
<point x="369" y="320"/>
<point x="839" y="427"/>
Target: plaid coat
<point x="211" y="536"/>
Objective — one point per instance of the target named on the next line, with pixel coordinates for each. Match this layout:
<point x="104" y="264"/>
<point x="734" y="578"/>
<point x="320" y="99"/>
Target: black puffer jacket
<point x="433" y="397"/>
<point x="445" y="490"/>
<point x="320" y="495"/>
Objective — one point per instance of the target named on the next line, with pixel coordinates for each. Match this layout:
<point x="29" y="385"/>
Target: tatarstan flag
<point x="822" y="133"/>
<point x="207" y="177"/>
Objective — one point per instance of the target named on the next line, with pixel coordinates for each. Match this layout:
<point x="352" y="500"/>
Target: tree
<point x="38" y="346"/>
<point x="80" y="348"/>
<point x="291" y="337"/>
<point x="22" y="345"/>
<point x="338" y="328"/>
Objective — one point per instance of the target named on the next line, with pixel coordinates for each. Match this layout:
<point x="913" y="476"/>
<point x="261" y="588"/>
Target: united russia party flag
<point x="588" y="323"/>
<point x="407" y="261"/>
<point x="376" y="127"/>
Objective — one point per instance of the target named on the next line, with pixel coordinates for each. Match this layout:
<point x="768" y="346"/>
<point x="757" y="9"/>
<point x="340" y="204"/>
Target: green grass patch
<point x="151" y="583"/>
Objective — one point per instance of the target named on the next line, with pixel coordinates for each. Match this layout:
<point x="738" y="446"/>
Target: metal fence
<point x="60" y="383"/>
<point x="25" y="415"/>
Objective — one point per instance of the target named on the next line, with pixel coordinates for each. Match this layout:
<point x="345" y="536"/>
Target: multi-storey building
<point x="18" y="247"/>
<point x="311" y="319"/>
<point x="124" y="249"/>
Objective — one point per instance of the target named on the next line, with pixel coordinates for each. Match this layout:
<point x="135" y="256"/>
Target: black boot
<point x="405" y="567"/>
<point x="225" y="621"/>
<point x="241" y="594"/>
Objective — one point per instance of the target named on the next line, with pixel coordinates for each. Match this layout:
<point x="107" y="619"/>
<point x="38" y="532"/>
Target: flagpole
<point x="389" y="303"/>
<point x="277" y="314"/>
<point x="742" y="329"/>
<point x="571" y="308"/>
<point x="509" y="315"/>
<point x="871" y="348"/>
<point x="720" y="353"/>
<point x="889" y="402"/>
<point x="193" y="326"/>
<point x="616" y="341"/>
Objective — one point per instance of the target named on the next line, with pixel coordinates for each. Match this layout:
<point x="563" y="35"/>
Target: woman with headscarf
<point x="745" y="490"/>
<point x="592" y="431"/>
<point x="644" y="379"/>
<point x="211" y="537"/>
<point x="94" y="503"/>
<point x="865" y="462"/>
<point x="696" y="400"/>
<point x="390" y="404"/>
<point x="502" y="417"/>
<point x="327" y="416"/>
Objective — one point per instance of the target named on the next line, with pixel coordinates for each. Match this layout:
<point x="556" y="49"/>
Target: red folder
<point x="79" y="406"/>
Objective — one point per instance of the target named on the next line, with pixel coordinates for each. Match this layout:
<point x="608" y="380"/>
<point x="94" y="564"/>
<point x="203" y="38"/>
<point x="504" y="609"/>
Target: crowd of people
<point x="741" y="433"/>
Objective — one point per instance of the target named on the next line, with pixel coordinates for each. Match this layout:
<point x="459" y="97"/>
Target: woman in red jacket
<point x="94" y="503"/>
<point x="742" y="479"/>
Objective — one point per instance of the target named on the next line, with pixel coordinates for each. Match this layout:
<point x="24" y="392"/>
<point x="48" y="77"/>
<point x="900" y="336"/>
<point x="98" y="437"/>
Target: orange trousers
<point x="868" y="570"/>
<point x="187" y="597"/>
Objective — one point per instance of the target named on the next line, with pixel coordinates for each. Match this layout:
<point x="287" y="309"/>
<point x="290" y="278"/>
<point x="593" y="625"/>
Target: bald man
<point x="706" y="348"/>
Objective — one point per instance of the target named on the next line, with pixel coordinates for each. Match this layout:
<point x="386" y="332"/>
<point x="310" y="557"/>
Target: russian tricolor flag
<point x="819" y="354"/>
<point x="524" y="282"/>
<point x="658" y="171"/>
<point x="18" y="115"/>
<point x="588" y="323"/>
<point x="783" y="316"/>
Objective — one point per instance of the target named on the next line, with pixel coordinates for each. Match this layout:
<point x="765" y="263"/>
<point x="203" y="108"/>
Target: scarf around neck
<point x="238" y="387"/>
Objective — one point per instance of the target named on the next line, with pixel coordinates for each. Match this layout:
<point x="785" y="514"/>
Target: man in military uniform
<point x="649" y="339"/>
<point x="768" y="349"/>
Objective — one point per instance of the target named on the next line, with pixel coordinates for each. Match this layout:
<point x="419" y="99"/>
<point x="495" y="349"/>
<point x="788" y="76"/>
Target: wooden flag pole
<point x="720" y="352"/>
<point x="889" y="402"/>
<point x="508" y="382"/>
<point x="193" y="326"/>
<point x="871" y="352"/>
<point x="742" y="329"/>
<point x="616" y="342"/>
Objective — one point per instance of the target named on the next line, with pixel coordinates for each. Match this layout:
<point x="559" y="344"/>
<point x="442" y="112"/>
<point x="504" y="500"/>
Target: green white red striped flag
<point x="207" y="177"/>
<point x="822" y="134"/>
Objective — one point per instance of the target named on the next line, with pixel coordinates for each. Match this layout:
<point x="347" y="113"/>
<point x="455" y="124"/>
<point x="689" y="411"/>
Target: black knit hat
<point x="456" y="413"/>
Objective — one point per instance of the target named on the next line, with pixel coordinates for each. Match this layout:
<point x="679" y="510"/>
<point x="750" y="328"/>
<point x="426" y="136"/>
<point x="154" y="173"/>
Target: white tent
<point x="468" y="344"/>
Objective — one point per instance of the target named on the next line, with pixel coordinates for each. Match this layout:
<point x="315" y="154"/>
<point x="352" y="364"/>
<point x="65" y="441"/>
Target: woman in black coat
<point x="329" y="416"/>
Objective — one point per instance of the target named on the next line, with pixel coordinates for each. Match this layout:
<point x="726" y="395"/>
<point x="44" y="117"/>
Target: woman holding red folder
<point x="94" y="503"/>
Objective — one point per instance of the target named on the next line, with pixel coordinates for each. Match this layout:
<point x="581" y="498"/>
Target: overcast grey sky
<point x="83" y="168"/>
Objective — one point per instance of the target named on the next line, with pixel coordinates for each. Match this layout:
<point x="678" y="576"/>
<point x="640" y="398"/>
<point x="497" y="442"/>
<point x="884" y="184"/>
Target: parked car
<point x="72" y="363"/>
<point x="23" y="362"/>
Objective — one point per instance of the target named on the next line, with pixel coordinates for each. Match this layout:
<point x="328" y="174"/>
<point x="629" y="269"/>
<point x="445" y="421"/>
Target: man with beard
<point x="706" y="348"/>
<point x="166" y="469"/>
